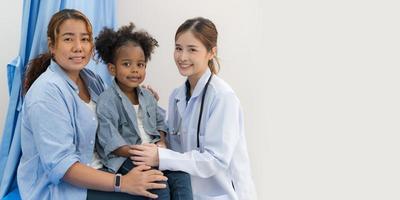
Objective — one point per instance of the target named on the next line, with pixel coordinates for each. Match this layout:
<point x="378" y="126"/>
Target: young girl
<point x="205" y="121"/>
<point x="58" y="125"/>
<point x="128" y="114"/>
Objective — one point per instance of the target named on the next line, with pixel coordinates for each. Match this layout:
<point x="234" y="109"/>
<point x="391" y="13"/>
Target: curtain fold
<point x="33" y="41"/>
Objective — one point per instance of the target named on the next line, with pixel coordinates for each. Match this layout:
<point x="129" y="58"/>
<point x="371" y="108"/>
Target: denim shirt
<point x="57" y="130"/>
<point x="118" y="123"/>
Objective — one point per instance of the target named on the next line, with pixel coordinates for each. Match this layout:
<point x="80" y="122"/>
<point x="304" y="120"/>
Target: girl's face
<point x="72" y="49"/>
<point x="130" y="67"/>
<point x="191" y="56"/>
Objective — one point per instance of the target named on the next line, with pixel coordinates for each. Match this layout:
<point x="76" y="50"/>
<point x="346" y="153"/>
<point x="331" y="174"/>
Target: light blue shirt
<point x="118" y="124"/>
<point x="57" y="130"/>
<point x="220" y="168"/>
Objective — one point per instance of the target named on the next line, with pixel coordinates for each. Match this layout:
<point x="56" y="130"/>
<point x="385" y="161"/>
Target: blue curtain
<point x="36" y="15"/>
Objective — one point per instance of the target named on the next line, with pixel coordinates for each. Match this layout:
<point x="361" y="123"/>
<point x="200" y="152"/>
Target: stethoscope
<point x="200" y="114"/>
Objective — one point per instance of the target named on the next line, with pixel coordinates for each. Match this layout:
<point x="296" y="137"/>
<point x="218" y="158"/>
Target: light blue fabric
<point x="36" y="15"/>
<point x="220" y="166"/>
<point x="118" y="122"/>
<point x="51" y="146"/>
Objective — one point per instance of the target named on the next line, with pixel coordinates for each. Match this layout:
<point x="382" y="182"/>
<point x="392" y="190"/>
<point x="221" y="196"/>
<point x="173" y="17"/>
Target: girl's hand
<point x="145" y="154"/>
<point x="141" y="179"/>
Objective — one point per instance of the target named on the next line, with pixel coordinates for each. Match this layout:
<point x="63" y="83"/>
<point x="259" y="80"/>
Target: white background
<point x="318" y="81"/>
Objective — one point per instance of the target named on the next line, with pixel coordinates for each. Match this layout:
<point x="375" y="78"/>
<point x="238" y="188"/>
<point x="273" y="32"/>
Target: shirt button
<point x="91" y="142"/>
<point x="94" y="118"/>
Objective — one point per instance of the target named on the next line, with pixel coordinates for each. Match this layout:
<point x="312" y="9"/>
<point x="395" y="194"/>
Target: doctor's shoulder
<point x="220" y="87"/>
<point x="220" y="91"/>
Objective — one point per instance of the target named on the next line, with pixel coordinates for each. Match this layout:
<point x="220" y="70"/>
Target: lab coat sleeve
<point x="222" y="131"/>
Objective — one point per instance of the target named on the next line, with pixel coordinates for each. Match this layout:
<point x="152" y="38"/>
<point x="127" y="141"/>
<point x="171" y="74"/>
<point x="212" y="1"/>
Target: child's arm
<point x="122" y="151"/>
<point x="108" y="136"/>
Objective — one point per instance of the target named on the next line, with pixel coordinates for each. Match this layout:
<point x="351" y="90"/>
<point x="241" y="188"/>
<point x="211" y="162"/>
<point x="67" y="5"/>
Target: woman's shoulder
<point x="95" y="81"/>
<point x="177" y="91"/>
<point x="220" y="86"/>
<point x="48" y="81"/>
<point x="48" y="87"/>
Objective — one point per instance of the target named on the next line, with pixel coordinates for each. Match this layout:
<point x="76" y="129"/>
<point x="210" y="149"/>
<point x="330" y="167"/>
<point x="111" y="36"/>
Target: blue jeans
<point x="179" y="186"/>
<point x="101" y="195"/>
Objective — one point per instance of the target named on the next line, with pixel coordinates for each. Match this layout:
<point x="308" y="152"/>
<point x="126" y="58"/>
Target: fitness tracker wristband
<point x="117" y="183"/>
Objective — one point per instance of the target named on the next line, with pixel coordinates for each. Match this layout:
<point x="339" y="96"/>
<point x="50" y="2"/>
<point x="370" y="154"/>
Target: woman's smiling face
<point x="191" y="56"/>
<point x="73" y="47"/>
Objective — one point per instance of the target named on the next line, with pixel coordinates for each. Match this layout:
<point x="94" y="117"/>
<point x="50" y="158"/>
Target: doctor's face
<point x="73" y="46"/>
<point x="191" y="56"/>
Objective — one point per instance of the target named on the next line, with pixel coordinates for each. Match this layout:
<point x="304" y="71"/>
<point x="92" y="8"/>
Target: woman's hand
<point x="161" y="144"/>
<point x="141" y="179"/>
<point x="154" y="92"/>
<point x="145" y="154"/>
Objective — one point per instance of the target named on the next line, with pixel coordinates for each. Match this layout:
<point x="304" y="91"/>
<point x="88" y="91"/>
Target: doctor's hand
<point x="145" y="154"/>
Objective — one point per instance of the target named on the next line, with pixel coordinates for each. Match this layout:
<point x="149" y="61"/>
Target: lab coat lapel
<point x="180" y="100"/>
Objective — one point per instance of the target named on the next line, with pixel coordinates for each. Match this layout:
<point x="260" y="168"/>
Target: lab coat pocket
<point x="174" y="142"/>
<point x="207" y="197"/>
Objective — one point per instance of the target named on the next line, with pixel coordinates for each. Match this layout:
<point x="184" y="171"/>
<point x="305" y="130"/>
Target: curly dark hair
<point x="109" y="41"/>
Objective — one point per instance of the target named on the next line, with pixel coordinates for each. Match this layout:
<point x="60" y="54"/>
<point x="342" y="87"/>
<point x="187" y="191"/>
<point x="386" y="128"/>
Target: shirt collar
<point x="120" y="93"/>
<point x="57" y="69"/>
<point x="181" y="96"/>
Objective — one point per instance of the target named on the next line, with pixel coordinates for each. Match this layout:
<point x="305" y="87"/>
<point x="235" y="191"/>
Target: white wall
<point x="318" y="80"/>
<point x="331" y="74"/>
<point x="10" y="20"/>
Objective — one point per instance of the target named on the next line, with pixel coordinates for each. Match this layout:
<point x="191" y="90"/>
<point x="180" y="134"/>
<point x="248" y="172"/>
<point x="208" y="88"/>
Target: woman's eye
<point x="67" y="39"/>
<point x="178" y="49"/>
<point x="141" y="65"/>
<point x="86" y="39"/>
<point x="193" y="50"/>
<point x="126" y="64"/>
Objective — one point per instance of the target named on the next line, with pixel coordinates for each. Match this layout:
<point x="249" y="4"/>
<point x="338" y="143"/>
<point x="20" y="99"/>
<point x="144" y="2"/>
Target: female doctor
<point x="206" y="130"/>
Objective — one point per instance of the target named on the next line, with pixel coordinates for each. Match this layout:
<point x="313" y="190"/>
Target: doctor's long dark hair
<point x="39" y="64"/>
<point x="206" y="32"/>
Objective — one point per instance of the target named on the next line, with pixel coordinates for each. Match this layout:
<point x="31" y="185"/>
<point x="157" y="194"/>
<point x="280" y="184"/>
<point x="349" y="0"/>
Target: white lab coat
<point x="221" y="170"/>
